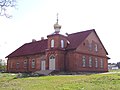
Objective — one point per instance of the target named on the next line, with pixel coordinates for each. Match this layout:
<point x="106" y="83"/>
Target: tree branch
<point x="4" y="5"/>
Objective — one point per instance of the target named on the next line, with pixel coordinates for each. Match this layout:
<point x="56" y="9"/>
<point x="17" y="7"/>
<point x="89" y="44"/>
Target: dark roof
<point x="30" y="48"/>
<point x="76" y="39"/>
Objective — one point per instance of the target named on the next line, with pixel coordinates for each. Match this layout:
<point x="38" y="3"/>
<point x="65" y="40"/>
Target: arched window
<point x="52" y="57"/>
<point x="62" y="43"/>
<point x="52" y="62"/>
<point x="52" y="43"/>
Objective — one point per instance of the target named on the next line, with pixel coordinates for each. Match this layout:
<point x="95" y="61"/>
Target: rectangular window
<point x="25" y="63"/>
<point x="17" y="65"/>
<point x="62" y="43"/>
<point x="101" y="63"/>
<point x="96" y="47"/>
<point x="90" y="61"/>
<point x="90" y="46"/>
<point x="52" y="43"/>
<point x="83" y="61"/>
<point x="33" y="63"/>
<point x="96" y="62"/>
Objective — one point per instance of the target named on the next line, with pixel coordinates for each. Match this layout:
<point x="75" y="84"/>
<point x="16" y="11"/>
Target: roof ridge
<point x="82" y="31"/>
<point x="36" y="41"/>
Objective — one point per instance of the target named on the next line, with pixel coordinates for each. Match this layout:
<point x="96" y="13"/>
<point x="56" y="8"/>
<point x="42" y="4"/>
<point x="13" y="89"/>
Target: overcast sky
<point x="34" y="19"/>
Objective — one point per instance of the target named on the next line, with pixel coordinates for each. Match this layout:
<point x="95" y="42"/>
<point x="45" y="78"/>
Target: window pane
<point x="90" y="46"/>
<point x="96" y="47"/>
<point x="62" y="44"/>
<point x="83" y="61"/>
<point x="52" y="57"/>
<point x="101" y="63"/>
<point x="90" y="61"/>
<point x="33" y="63"/>
<point x="96" y="62"/>
<point x="52" y="43"/>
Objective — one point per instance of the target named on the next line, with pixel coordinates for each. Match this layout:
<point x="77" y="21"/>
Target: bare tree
<point x="5" y="5"/>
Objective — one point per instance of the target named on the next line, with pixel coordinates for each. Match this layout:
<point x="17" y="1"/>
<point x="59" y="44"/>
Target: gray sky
<point x="34" y="19"/>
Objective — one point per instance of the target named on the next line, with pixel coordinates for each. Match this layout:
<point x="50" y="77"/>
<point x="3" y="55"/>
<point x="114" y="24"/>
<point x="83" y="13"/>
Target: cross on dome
<point x="57" y="27"/>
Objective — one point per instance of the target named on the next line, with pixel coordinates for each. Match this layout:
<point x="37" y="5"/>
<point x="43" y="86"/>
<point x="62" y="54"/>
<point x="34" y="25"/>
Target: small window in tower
<point x="62" y="43"/>
<point x="52" y="43"/>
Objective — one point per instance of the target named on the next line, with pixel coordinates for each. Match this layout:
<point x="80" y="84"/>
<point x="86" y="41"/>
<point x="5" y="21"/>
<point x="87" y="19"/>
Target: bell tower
<point x="56" y="48"/>
<point x="57" y="27"/>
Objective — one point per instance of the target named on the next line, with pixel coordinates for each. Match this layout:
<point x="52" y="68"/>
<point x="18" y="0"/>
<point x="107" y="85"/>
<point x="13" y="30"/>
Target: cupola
<point x="57" y="27"/>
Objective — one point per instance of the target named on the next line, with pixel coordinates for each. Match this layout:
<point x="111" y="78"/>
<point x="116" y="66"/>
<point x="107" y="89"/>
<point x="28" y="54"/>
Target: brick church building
<point x="76" y="52"/>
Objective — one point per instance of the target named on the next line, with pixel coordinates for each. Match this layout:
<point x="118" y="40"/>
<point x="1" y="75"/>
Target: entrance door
<point x="42" y="65"/>
<point x="52" y="63"/>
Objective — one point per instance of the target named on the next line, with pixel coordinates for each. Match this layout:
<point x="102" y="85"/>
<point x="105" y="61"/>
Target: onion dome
<point x="57" y="27"/>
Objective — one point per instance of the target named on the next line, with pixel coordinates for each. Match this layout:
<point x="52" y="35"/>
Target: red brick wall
<point x="59" y="59"/>
<point x="74" y="63"/>
<point x="68" y="61"/>
<point x="57" y="38"/>
<point x="12" y="63"/>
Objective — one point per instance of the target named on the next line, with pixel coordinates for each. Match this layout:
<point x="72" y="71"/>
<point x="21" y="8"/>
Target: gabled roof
<point x="36" y="47"/>
<point x="30" y="48"/>
<point x="76" y="39"/>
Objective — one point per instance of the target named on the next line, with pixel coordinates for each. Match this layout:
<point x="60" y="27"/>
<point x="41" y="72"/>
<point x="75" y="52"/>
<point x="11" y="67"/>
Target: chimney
<point x="66" y="33"/>
<point x="42" y="38"/>
<point x="33" y="40"/>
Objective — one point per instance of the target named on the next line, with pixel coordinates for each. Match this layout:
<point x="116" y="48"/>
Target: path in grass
<point x="68" y="82"/>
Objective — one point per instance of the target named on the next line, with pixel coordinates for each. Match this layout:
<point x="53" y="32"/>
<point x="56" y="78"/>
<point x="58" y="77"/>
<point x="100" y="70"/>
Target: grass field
<point x="68" y="82"/>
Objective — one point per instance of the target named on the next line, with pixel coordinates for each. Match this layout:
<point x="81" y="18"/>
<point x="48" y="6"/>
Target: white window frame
<point x="52" y="43"/>
<point x="90" y="61"/>
<point x="96" y="62"/>
<point x="101" y="63"/>
<point x="33" y="63"/>
<point x="62" y="43"/>
<point x="83" y="61"/>
<point x="96" y="47"/>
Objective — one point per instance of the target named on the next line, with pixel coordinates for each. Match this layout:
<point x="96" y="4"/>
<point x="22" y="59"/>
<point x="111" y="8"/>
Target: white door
<point x="52" y="63"/>
<point x="42" y="65"/>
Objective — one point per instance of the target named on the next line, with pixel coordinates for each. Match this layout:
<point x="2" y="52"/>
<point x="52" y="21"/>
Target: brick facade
<point x="68" y="57"/>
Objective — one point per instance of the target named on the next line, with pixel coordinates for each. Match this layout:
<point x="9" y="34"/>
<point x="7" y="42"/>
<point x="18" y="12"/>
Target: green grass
<point x="68" y="82"/>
